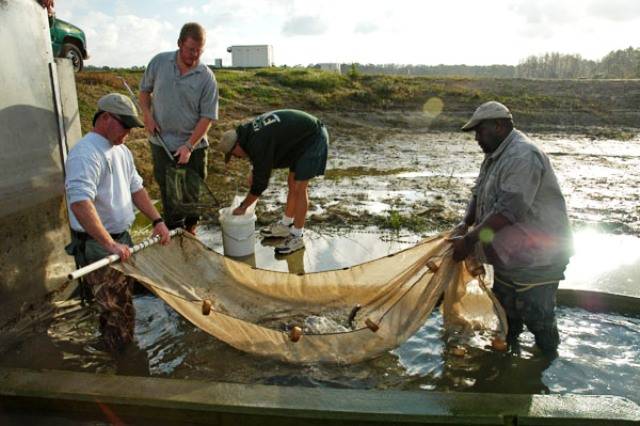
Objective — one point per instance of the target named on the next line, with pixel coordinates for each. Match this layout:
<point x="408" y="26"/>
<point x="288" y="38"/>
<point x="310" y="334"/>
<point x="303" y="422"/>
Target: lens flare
<point x="486" y="235"/>
<point x="433" y="107"/>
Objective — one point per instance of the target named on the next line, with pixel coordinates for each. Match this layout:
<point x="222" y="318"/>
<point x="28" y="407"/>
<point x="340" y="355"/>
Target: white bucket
<point x="238" y="233"/>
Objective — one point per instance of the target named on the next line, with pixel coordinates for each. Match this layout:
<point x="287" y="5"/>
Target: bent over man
<point x="102" y="186"/>
<point x="520" y="225"/>
<point x="278" y="139"/>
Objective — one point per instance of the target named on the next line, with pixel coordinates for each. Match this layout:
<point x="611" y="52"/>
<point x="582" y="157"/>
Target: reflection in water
<point x="482" y="370"/>
<point x="72" y="342"/>
<point x="322" y="251"/>
<point x="601" y="261"/>
<point x="604" y="262"/>
<point x="295" y="260"/>
<point x="249" y="259"/>
<point x="433" y="365"/>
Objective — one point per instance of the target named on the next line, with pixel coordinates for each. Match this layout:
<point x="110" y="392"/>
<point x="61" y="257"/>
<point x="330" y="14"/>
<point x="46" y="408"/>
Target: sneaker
<point x="276" y="230"/>
<point x="290" y="245"/>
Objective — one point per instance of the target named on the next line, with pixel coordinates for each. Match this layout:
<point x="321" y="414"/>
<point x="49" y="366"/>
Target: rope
<point x="522" y="287"/>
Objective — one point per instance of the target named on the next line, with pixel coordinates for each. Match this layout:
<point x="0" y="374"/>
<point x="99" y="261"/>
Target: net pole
<point x="78" y="273"/>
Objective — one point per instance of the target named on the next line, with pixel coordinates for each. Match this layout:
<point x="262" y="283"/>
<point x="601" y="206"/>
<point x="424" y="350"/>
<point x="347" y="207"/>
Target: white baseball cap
<point x="228" y="141"/>
<point x="487" y="111"/>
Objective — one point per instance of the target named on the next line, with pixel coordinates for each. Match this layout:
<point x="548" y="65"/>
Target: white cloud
<point x="544" y="18"/>
<point x="367" y="31"/>
<point x="304" y="25"/>
<point x="548" y="11"/>
<point x="120" y="41"/>
<point x="68" y="9"/>
<point x="364" y="27"/>
<point x="187" y="10"/>
<point x="615" y="10"/>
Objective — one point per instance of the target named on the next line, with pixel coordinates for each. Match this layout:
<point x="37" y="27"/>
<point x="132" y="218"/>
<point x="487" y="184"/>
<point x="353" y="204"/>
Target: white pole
<point x="115" y="258"/>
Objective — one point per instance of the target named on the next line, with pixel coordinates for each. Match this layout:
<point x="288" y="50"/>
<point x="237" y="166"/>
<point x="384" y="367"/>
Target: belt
<point x="83" y="236"/>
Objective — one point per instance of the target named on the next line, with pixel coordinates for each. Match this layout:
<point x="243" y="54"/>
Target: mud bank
<point x="422" y="181"/>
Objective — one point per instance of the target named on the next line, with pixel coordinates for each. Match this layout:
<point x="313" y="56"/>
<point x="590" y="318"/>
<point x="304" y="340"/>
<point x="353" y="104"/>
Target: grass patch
<point x="611" y="133"/>
<point x="316" y="80"/>
<point x="535" y="103"/>
<point x="397" y="221"/>
<point x="336" y="174"/>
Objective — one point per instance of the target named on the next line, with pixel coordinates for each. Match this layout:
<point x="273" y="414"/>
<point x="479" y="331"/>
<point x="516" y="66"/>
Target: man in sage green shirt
<point x="520" y="225"/>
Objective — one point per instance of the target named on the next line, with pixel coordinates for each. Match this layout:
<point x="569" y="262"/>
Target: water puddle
<point x="323" y="251"/>
<point x="602" y="262"/>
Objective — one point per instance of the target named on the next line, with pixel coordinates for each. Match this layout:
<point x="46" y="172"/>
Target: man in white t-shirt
<point x="102" y="187"/>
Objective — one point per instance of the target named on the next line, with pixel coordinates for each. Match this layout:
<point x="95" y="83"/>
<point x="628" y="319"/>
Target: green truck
<point x="68" y="41"/>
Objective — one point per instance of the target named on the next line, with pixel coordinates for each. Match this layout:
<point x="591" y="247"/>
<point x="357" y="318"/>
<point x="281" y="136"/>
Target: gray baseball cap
<point x="228" y="141"/>
<point x="123" y="107"/>
<point x="487" y="111"/>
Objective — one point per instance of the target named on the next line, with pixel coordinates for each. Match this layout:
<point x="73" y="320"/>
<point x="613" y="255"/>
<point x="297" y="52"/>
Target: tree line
<point x="624" y="63"/>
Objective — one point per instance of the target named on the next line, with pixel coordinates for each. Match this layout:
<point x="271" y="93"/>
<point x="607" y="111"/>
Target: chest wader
<point x="183" y="191"/>
<point x="110" y="289"/>
<point x="77" y="249"/>
<point x="533" y="305"/>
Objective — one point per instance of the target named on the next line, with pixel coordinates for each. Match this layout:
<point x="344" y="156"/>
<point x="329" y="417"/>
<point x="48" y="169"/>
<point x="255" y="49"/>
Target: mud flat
<point x="421" y="181"/>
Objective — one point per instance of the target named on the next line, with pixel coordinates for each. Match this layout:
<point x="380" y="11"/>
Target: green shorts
<point x="313" y="161"/>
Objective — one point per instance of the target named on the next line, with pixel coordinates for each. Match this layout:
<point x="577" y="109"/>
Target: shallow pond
<point x="431" y="174"/>
<point x="599" y="354"/>
<point x="600" y="178"/>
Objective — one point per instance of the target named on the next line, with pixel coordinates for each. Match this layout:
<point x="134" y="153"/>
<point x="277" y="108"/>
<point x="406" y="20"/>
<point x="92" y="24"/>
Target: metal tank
<point x="39" y="119"/>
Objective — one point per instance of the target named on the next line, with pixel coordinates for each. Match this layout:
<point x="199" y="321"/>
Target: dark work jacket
<point x="276" y="140"/>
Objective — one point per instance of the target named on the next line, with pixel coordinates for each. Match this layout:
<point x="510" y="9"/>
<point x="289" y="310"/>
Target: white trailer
<point x="252" y="56"/>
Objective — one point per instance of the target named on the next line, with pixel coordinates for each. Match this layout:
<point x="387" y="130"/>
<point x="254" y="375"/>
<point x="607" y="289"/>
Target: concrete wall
<point x="34" y="397"/>
<point x="33" y="221"/>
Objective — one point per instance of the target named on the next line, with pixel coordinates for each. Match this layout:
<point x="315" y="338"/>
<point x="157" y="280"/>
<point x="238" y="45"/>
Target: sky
<point x="302" y="32"/>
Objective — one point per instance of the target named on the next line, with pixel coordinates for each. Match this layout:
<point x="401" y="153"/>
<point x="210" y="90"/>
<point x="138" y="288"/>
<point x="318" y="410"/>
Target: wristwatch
<point x="157" y="221"/>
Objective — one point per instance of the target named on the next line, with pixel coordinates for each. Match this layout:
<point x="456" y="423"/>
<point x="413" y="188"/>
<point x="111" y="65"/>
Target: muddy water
<point x="431" y="175"/>
<point x="599" y="354"/>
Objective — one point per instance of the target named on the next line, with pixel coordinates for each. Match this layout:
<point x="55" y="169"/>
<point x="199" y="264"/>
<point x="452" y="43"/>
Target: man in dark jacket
<point x="274" y="140"/>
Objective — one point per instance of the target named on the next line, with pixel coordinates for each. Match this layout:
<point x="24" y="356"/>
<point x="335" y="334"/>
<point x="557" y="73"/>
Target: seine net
<point x="339" y="316"/>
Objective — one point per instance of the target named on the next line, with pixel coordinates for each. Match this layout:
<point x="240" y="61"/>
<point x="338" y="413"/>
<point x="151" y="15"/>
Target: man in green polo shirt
<point x="179" y="100"/>
<point x="278" y="139"/>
